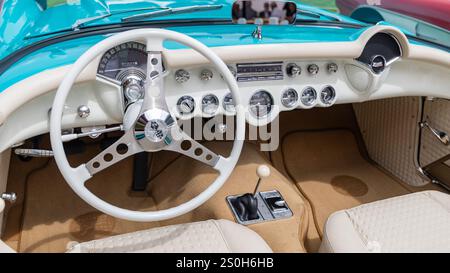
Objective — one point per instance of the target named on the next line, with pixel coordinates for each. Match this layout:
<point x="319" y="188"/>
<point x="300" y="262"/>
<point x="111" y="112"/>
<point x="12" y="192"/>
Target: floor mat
<point x="54" y="215"/>
<point x="328" y="168"/>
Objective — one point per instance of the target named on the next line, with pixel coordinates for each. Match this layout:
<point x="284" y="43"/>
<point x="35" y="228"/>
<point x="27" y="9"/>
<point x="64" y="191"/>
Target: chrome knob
<point x="313" y="69"/>
<point x="9" y="196"/>
<point x="332" y="68"/>
<point x="182" y="76"/>
<point x="206" y="75"/>
<point x="293" y="70"/>
<point x="83" y="111"/>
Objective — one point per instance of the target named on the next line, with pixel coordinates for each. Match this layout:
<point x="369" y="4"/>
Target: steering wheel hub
<point x="156" y="130"/>
<point x="153" y="129"/>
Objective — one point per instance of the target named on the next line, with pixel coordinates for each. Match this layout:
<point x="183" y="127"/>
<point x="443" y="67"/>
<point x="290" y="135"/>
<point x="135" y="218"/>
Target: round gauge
<point x="328" y="95"/>
<point x="131" y="55"/>
<point x="186" y="105"/>
<point x="261" y="104"/>
<point x="289" y="98"/>
<point x="309" y="97"/>
<point x="228" y="103"/>
<point x="210" y="104"/>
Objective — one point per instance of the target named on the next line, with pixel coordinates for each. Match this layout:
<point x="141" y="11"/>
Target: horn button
<point x="153" y="129"/>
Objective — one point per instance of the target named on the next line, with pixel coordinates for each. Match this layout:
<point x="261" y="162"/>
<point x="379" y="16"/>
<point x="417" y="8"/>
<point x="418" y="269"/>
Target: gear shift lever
<point x="262" y="172"/>
<point x="247" y="204"/>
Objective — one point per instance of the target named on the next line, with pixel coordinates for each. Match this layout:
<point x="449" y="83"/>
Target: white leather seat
<point x="418" y="222"/>
<point x="208" y="236"/>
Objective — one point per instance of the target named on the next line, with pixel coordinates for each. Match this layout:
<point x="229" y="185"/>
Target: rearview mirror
<point x="264" y="12"/>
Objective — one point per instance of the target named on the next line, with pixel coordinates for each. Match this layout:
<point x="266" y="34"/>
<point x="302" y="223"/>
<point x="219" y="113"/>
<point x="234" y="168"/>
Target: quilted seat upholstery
<point x="418" y="222"/>
<point x="207" y="237"/>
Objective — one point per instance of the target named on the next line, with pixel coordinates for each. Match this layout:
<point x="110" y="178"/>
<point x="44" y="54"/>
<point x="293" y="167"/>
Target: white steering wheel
<point x="155" y="128"/>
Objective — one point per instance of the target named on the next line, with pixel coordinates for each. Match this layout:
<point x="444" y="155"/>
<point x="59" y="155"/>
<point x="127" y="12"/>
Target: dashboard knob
<point x="182" y="76"/>
<point x="206" y="75"/>
<point x="332" y="68"/>
<point x="186" y="105"/>
<point x="83" y="111"/>
<point x="313" y="69"/>
<point x="293" y="70"/>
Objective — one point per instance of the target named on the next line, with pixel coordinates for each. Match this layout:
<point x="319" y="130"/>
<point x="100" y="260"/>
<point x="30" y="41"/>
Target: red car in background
<point x="436" y="12"/>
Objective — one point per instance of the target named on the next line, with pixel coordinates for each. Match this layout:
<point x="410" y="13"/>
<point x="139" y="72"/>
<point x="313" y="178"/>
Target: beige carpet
<point x="170" y="189"/>
<point x="55" y="216"/>
<point x="328" y="168"/>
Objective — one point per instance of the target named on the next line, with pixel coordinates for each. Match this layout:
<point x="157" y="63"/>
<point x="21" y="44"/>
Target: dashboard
<point x="267" y="87"/>
<point x="272" y="78"/>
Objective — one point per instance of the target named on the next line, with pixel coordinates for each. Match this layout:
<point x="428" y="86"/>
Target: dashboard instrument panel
<point x="123" y="60"/>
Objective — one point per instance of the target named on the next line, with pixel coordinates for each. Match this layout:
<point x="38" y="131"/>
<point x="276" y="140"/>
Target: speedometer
<point x="118" y="62"/>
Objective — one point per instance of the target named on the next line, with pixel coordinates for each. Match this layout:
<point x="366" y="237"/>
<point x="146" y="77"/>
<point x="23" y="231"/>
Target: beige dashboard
<point x="420" y="71"/>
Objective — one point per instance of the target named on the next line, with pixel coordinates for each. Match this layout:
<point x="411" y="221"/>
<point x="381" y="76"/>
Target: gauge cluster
<point x="266" y="87"/>
<point x="125" y="59"/>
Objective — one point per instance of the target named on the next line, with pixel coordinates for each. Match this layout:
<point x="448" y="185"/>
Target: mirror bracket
<point x="257" y="33"/>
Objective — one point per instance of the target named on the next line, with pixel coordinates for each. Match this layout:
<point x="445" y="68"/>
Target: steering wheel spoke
<point x="184" y="144"/>
<point x="154" y="83"/>
<point x="119" y="150"/>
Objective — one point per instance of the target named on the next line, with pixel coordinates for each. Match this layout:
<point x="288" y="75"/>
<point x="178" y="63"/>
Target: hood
<point x="21" y="19"/>
<point x="23" y="22"/>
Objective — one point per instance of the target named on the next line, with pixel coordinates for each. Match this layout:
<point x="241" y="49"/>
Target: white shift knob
<point x="263" y="171"/>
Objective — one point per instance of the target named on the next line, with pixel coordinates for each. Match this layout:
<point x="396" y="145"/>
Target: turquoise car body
<point x="24" y="23"/>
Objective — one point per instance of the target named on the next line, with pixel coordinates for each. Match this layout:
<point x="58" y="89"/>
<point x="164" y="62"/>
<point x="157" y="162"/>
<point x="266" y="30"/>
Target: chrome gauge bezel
<point x="250" y="104"/>
<point x="225" y="103"/>
<point x="204" y="105"/>
<point x="292" y="103"/>
<point x="330" y="102"/>
<point x="311" y="104"/>
<point x="179" y="103"/>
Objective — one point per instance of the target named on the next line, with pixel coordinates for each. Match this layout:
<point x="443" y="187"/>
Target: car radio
<point x="267" y="71"/>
